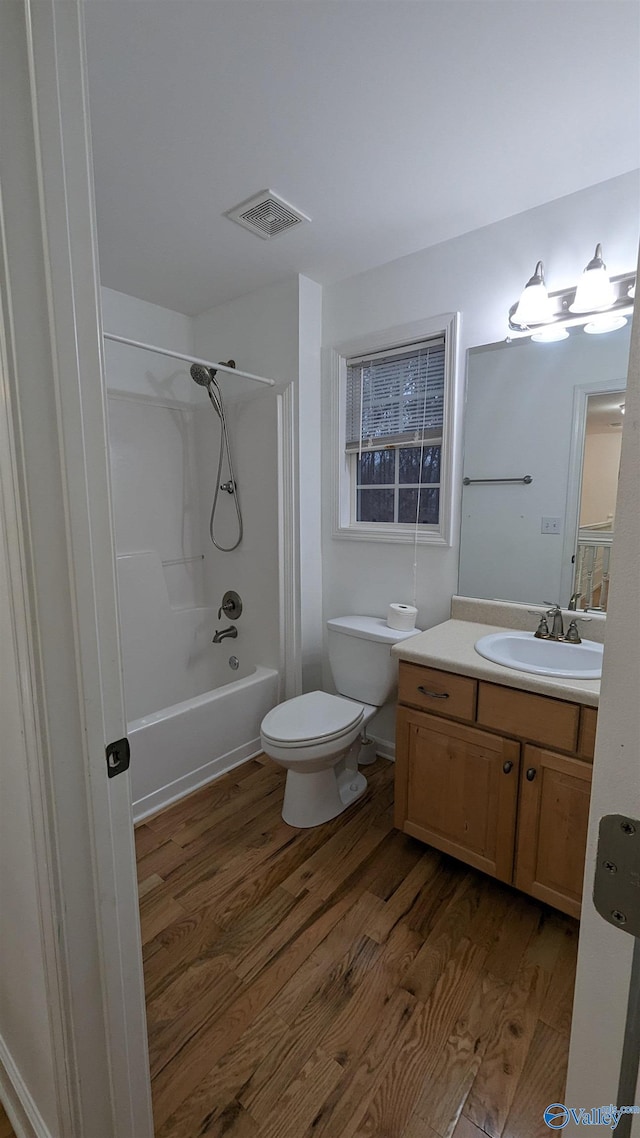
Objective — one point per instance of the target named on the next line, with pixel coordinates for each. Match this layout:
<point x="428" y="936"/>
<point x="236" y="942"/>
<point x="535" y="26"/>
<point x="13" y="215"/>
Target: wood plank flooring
<point x="343" y="982"/>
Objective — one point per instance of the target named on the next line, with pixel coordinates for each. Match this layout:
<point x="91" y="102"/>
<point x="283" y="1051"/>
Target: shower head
<point x="202" y="375"/>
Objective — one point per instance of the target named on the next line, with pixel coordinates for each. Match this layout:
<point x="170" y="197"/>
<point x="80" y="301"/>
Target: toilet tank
<point x="360" y="657"/>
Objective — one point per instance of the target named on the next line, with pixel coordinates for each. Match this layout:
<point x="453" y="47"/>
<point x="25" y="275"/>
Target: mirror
<point x="544" y="412"/>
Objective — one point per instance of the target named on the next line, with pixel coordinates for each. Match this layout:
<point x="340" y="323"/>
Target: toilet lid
<point x="315" y="716"/>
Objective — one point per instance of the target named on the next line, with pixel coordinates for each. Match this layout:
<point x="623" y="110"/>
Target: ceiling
<point x="394" y="124"/>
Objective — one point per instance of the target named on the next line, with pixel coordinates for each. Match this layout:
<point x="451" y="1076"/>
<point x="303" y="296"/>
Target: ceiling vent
<point x="267" y="215"/>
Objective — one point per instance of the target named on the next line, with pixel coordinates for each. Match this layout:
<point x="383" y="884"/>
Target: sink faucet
<point x="573" y="603"/>
<point x="572" y="635"/>
<point x="225" y="633"/>
<point x="557" y="627"/>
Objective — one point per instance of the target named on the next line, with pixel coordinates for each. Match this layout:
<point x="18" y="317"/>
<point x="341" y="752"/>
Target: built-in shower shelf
<point x="183" y="560"/>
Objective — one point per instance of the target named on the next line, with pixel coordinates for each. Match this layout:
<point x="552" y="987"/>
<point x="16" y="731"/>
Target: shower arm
<point x="187" y="359"/>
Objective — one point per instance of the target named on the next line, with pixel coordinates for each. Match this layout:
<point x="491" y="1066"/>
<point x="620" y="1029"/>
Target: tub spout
<point x="225" y="633"/>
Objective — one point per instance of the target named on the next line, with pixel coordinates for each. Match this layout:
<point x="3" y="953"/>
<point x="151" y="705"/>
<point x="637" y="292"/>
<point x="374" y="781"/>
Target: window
<point x="394" y="436"/>
<point x="395" y="399"/>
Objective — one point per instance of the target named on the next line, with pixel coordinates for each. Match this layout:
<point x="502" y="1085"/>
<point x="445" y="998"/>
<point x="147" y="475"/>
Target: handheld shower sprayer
<point x="206" y="377"/>
<point x="202" y="375"/>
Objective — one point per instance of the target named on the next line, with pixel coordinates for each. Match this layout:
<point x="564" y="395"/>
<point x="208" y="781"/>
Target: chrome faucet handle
<point x="572" y="636"/>
<point x="542" y="631"/>
<point x="231" y="605"/>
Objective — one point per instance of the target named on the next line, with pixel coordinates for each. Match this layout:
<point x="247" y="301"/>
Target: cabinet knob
<point x="507" y="767"/>
<point x="531" y="774"/>
<point x="433" y="694"/>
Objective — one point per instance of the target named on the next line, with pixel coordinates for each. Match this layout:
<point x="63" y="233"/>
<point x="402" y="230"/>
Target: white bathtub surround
<point x="190" y="717"/>
<point x="178" y="749"/>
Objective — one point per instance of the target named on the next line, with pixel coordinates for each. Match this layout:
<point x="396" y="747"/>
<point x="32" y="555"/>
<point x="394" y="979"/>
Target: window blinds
<point x="396" y="397"/>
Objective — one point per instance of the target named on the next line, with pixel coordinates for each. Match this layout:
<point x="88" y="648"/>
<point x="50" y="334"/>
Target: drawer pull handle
<point x="433" y="694"/>
<point x="507" y="767"/>
<point x="531" y="774"/>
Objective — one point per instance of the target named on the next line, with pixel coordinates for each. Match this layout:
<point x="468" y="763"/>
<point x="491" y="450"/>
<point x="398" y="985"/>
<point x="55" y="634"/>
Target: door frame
<point x="63" y="590"/>
<point x="581" y="394"/>
<point x="605" y="953"/>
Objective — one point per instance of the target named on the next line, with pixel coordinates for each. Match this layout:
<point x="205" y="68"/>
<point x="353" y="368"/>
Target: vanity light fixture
<point x="601" y="324"/>
<point x="594" y="292"/>
<point x="534" y="306"/>
<point x="598" y="303"/>
<point x="550" y="334"/>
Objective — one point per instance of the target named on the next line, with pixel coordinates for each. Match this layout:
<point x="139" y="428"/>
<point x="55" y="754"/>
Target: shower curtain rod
<point x="187" y="359"/>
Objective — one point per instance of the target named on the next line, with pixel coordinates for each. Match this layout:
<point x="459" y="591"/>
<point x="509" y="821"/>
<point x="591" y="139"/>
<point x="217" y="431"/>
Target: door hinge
<point x="616" y="887"/>
<point x="118" y="755"/>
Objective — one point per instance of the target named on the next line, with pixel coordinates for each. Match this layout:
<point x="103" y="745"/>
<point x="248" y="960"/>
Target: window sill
<point x="404" y="534"/>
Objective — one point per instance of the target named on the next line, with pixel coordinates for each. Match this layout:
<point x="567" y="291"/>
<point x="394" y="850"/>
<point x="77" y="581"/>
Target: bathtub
<point x="182" y="747"/>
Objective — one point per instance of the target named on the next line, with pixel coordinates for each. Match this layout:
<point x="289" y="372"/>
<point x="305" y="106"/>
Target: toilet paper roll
<point x="402" y="617"/>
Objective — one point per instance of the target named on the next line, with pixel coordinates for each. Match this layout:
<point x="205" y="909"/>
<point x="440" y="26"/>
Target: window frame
<point x="396" y="485"/>
<point x="342" y="465"/>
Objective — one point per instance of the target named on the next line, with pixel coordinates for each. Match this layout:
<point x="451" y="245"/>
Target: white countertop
<point x="450" y="647"/>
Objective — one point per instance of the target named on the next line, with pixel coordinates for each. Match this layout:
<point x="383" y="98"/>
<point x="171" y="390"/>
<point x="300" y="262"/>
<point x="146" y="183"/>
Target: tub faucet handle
<point x="231" y="605"/>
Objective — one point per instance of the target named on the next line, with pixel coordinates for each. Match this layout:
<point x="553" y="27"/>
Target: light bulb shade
<point x="550" y="335"/>
<point x="534" y="306"/>
<point x="603" y="324"/>
<point x="594" y="292"/>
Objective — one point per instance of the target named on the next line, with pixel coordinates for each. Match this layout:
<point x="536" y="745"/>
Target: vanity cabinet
<point x="481" y="774"/>
<point x="461" y="790"/>
<point x="552" y="827"/>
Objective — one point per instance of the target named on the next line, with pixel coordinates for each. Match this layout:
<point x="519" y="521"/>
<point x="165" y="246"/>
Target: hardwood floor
<point x="343" y="982"/>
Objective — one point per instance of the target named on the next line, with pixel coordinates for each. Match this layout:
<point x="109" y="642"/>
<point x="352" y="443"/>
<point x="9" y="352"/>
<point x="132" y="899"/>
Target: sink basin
<point x="522" y="651"/>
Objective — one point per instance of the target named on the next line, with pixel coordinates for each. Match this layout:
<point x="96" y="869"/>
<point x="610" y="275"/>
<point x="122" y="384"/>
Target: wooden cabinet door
<point x="457" y="789"/>
<point x="552" y="828"/>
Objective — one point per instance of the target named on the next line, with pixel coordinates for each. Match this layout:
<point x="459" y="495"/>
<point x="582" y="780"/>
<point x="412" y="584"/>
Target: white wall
<point x="479" y="275"/>
<point x="600" y="469"/>
<point x="310" y="456"/>
<point x="143" y="373"/>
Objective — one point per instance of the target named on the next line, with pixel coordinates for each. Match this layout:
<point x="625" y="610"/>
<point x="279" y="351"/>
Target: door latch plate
<point x="118" y="756"/>
<point x="616" y="888"/>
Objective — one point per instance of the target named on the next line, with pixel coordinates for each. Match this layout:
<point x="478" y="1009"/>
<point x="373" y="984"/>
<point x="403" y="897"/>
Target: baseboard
<point x="22" y="1111"/>
<point x="174" y="791"/>
<point x="385" y="749"/>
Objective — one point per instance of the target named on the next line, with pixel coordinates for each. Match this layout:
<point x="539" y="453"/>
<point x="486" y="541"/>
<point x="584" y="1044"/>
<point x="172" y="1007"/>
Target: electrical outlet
<point x="550" y="525"/>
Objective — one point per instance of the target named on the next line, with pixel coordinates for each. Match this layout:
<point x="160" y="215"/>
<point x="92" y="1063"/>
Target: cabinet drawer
<point x="587" y="735"/>
<point x="440" y="693"/>
<point x="534" y="717"/>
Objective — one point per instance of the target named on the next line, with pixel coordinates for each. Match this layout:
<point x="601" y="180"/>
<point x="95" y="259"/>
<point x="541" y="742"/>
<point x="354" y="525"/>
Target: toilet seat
<point x="316" y="717"/>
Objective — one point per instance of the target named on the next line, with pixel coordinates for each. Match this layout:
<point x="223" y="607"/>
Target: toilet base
<point x="314" y="798"/>
<point x="367" y="753"/>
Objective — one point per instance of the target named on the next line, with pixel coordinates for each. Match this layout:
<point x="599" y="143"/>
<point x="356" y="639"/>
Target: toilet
<point x="316" y="736"/>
